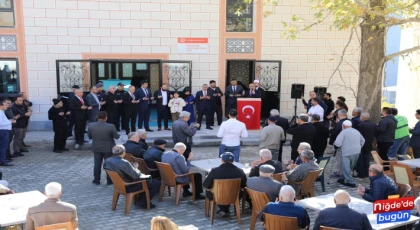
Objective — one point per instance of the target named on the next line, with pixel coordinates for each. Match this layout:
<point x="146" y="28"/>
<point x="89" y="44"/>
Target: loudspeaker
<point x="320" y="90"/>
<point x="297" y="91"/>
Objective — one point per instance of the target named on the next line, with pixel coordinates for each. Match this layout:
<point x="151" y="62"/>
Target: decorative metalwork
<point x="8" y="43"/>
<point x="154" y="76"/>
<point x="178" y="75"/>
<point x="239" y="45"/>
<point x="101" y="70"/>
<point x="74" y="73"/>
<point x="268" y="73"/>
<point x="241" y="71"/>
<point x="127" y="69"/>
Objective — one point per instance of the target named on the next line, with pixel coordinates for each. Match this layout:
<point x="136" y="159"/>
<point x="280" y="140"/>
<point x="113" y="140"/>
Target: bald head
<point x="375" y="168"/>
<point x="341" y="197"/>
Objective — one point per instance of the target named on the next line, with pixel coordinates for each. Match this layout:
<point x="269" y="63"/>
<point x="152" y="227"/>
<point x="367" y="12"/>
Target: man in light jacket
<point x="271" y="137"/>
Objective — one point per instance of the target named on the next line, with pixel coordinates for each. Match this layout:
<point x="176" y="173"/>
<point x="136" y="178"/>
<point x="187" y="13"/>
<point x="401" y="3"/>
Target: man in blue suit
<point x="204" y="106"/>
<point x="144" y="95"/>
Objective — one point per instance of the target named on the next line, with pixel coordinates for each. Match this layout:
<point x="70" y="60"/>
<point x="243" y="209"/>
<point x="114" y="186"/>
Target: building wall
<point x="312" y="57"/>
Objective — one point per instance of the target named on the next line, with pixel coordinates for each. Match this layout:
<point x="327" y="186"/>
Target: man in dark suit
<point x="282" y="122"/>
<point x="134" y="146"/>
<point x="79" y="108"/>
<point x="303" y="132"/>
<point x="162" y="97"/>
<point x="130" y="102"/>
<point x="252" y="92"/>
<point x="233" y="91"/>
<point x="368" y="130"/>
<point x="204" y="106"/>
<point x="101" y="95"/>
<point x="144" y="106"/>
<point x="121" y="111"/>
<point x="102" y="135"/>
<point x="92" y="101"/>
<point x="321" y="137"/>
<point x="112" y="102"/>
<point x="71" y="117"/>
<point x="330" y="107"/>
<point x="342" y="216"/>
<point x="227" y="170"/>
<point x="216" y="94"/>
<point x="57" y="115"/>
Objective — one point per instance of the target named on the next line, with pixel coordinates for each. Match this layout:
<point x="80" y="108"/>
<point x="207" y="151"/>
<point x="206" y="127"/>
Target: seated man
<point x="181" y="166"/>
<point x="227" y="170"/>
<point x="52" y="210"/>
<point x="342" y="217"/>
<point x="301" y="171"/>
<point x="129" y="173"/>
<point x="287" y="207"/>
<point x="134" y="146"/>
<point x="381" y="186"/>
<point x="265" y="182"/>
<point x="265" y="159"/>
<point x="298" y="161"/>
<point x="155" y="154"/>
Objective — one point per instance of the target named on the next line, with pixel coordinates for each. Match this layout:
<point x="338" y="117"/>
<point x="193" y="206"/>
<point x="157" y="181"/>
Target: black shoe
<point x="200" y="197"/>
<point x="25" y="145"/>
<point x="341" y="181"/>
<point x="118" y="130"/>
<point x="109" y="183"/>
<point x="149" y="130"/>
<point x="24" y="150"/>
<point x="13" y="156"/>
<point x="57" y="151"/>
<point x="9" y="160"/>
<point x="143" y="206"/>
<point x="186" y="194"/>
<point x="5" y="164"/>
<point x="97" y="183"/>
<point x="85" y="141"/>
<point x="210" y="128"/>
<point x="350" y="185"/>
<point x="65" y="149"/>
<point x="85" y="131"/>
<point x="18" y="154"/>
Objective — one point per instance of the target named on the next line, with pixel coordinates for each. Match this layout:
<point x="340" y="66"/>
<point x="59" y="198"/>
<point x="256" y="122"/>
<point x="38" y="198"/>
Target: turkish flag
<point x="249" y="112"/>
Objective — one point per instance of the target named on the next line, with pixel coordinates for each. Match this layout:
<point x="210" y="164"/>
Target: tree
<point x="371" y="19"/>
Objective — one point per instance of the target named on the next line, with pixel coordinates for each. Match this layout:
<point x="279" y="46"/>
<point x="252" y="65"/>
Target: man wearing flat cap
<point x="265" y="183"/>
<point x="227" y="170"/>
<point x="71" y="117"/>
<point x="57" y="115"/>
<point x="155" y="154"/>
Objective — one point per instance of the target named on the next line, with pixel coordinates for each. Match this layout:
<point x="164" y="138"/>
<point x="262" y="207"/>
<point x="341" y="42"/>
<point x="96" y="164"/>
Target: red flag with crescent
<point x="249" y="112"/>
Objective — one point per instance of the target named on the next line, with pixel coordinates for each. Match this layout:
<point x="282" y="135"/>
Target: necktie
<point x="250" y="93"/>
<point x="234" y="88"/>
<point x="204" y="92"/>
<point x="132" y="96"/>
<point x="81" y="100"/>
<point x="145" y="91"/>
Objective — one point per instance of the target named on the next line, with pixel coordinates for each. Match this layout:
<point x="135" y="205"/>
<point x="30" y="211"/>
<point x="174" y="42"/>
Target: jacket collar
<point x="372" y="178"/>
<point x="228" y="165"/>
<point x="133" y="142"/>
<point x="341" y="206"/>
<point x="52" y="200"/>
<point x="159" y="148"/>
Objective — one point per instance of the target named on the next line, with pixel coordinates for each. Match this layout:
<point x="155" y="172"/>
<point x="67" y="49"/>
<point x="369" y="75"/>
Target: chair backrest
<point x="402" y="174"/>
<point x="129" y="157"/>
<point x="61" y="226"/>
<point x="226" y="191"/>
<point x="274" y="222"/>
<point x="167" y="174"/>
<point x="378" y="160"/>
<point x="323" y="161"/>
<point x="277" y="176"/>
<point x="309" y="181"/>
<point x="259" y="200"/>
<point x="142" y="165"/>
<point x="403" y="190"/>
<point x="119" y="184"/>
<point x="329" y="228"/>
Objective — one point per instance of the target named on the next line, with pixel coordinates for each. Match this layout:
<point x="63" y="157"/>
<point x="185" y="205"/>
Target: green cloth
<point x="402" y="127"/>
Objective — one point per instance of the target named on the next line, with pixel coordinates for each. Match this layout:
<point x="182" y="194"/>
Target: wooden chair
<point x="168" y="178"/>
<point x="404" y="176"/>
<point x="146" y="170"/>
<point x="259" y="201"/>
<point x="225" y="192"/>
<point x="61" y="226"/>
<point x="378" y="160"/>
<point x="307" y="185"/>
<point x="329" y="228"/>
<point x="277" y="177"/>
<point x="274" y="222"/>
<point x="129" y="157"/>
<point x="119" y="188"/>
<point x="403" y="190"/>
<point x="323" y="161"/>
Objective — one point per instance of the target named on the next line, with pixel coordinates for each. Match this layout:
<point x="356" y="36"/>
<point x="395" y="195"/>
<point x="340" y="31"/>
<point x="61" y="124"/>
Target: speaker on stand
<point x="296" y="93"/>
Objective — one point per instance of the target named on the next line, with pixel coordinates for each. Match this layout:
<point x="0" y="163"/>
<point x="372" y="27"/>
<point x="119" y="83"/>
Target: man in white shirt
<point x="231" y="132"/>
<point x="5" y="128"/>
<point x="315" y="109"/>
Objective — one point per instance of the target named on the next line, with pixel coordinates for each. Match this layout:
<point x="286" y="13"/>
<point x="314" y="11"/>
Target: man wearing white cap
<point x="257" y="87"/>
<point x="351" y="142"/>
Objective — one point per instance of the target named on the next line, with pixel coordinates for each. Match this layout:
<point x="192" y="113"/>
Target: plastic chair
<point x="61" y="226"/>
<point x="404" y="176"/>
<point x="129" y="157"/>
<point x="323" y="161"/>
<point x="274" y="222"/>
<point x="307" y="185"/>
<point x="277" y="177"/>
<point x="403" y="190"/>
<point x="120" y="188"/>
<point x="378" y="160"/>
<point x="225" y="192"/>
<point x="168" y="178"/>
<point x="259" y="201"/>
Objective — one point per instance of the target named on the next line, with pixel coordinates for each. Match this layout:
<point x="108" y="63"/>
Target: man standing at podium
<point x="233" y="91"/>
<point x="252" y="92"/>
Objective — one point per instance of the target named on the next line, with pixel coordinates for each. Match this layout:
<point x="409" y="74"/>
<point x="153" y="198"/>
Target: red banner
<point x="249" y="112"/>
